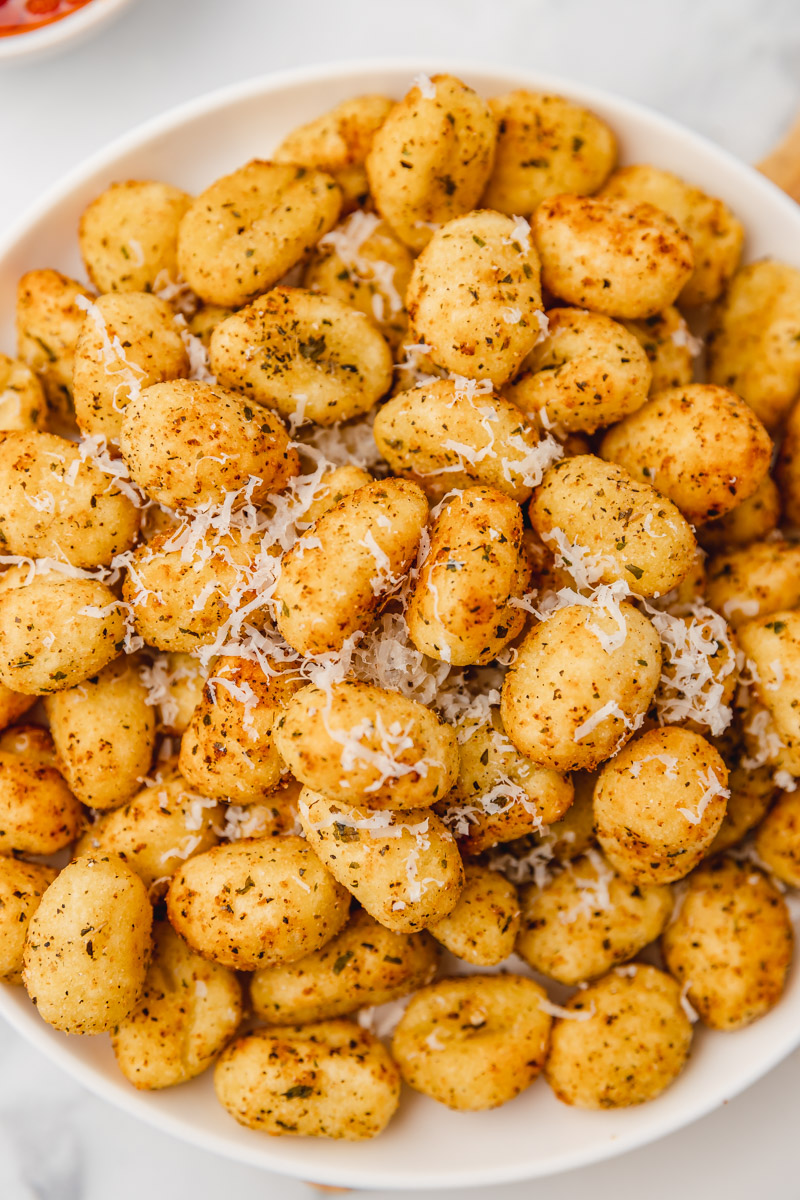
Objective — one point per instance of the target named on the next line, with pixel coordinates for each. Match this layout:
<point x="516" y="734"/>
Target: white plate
<point x="426" y="1146"/>
<point x="49" y="39"/>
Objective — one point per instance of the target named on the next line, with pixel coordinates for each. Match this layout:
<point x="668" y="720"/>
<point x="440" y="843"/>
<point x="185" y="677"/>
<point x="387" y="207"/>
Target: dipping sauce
<point x="23" y="16"/>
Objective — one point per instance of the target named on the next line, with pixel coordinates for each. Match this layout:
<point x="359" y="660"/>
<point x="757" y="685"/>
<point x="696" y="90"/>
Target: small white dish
<point x="61" y="34"/>
<point x="426" y="1146"/>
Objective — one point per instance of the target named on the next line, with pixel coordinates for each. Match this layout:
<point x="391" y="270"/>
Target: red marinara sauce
<point x="23" y="16"/>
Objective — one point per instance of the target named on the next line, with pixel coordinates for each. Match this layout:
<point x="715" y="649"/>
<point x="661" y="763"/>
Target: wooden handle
<point x="782" y="165"/>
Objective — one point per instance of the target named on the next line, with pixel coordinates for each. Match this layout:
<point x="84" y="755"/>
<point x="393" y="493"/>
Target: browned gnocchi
<point x="500" y="794"/>
<point x="474" y="1043"/>
<point x="336" y="576"/>
<point x="431" y="158"/>
<point x="641" y="537"/>
<point x="102" y="768"/>
<point x="715" y="234"/>
<point x="245" y="231"/>
<point x="128" y="341"/>
<point x="625" y="1040"/>
<point x="157" y="831"/>
<point x="730" y="943"/>
<point x="188" y="443"/>
<point x="129" y="236"/>
<point x="489" y="441"/>
<point x="580" y="686"/>
<point x="363" y="966"/>
<point x="586" y="372"/>
<point x="546" y="145"/>
<point x="328" y="1079"/>
<point x="589" y="919"/>
<point x="361" y="743"/>
<point x="752" y="344"/>
<point x="256" y="902"/>
<point x="23" y="404"/>
<point x="701" y="446"/>
<point x="466" y="604"/>
<point x="659" y="804"/>
<point x="56" y="503"/>
<point x="228" y="749"/>
<point x="22" y="885"/>
<point x="623" y="260"/>
<point x="338" y="143"/>
<point x="404" y="868"/>
<point x="307" y="355"/>
<point x="190" y="1009"/>
<point x="89" y="945"/>
<point x="474" y="298"/>
<point x="50" y="315"/>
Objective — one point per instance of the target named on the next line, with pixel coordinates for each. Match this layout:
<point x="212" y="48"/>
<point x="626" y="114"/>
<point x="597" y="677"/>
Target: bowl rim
<point x="461" y="1175"/>
<point x="72" y="25"/>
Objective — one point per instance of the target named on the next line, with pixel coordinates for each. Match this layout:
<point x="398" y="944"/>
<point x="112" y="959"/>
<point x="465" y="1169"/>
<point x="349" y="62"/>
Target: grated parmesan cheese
<point x="426" y="86"/>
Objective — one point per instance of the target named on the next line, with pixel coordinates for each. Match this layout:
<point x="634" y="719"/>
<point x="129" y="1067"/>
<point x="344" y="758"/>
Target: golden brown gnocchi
<point x="367" y="745"/>
<point x="404" y="868"/>
<point x="488" y="440"/>
<point x="580" y="686"/>
<point x="640" y="537"/>
<point x="189" y="1011"/>
<point x="364" y="965"/>
<point x="129" y="236"/>
<point x="159" y="829"/>
<point x="128" y="341"/>
<point x="336" y="576"/>
<point x="188" y="443"/>
<point x="483" y="926"/>
<point x="88" y="946"/>
<point x="330" y="1079"/>
<point x="753" y="346"/>
<point x="56" y="503"/>
<point x="309" y="356"/>
<point x="22" y="885"/>
<point x="587" y="920"/>
<point x="23" y="404"/>
<point x="730" y="943"/>
<point x="546" y="145"/>
<point x="104" y="733"/>
<point x="627" y="261"/>
<point x="256" y="902"/>
<point x="586" y="372"/>
<point x="700" y="445"/>
<point x="714" y="232"/>
<point x="474" y="298"/>
<point x="244" y="232"/>
<point x="431" y="158"/>
<point x="465" y="605"/>
<point x="338" y="143"/>
<point x="659" y="804"/>
<point x="500" y="794"/>
<point x="50" y="316"/>
<point x="474" y="1043"/>
<point x="627" y="1038"/>
<point x="56" y="631"/>
<point x="228" y="749"/>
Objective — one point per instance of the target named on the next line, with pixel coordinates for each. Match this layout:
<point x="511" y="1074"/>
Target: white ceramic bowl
<point x="61" y="34"/>
<point x="426" y="1146"/>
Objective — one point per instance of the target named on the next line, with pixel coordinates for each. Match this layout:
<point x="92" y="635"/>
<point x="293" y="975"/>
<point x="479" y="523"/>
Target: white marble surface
<point x="729" y="68"/>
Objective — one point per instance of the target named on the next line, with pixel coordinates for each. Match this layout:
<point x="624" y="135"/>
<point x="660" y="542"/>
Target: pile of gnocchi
<point x="400" y="620"/>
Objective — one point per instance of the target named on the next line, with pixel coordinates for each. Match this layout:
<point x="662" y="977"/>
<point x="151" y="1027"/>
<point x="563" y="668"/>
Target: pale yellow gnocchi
<point x="308" y="356"/>
<point x="466" y="604"/>
<point x="431" y="158"/>
<point x="244" y="232"/>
